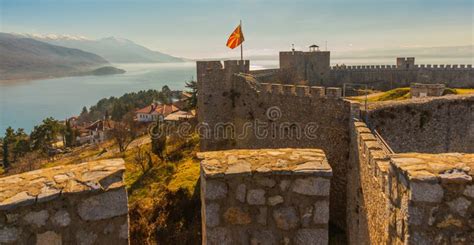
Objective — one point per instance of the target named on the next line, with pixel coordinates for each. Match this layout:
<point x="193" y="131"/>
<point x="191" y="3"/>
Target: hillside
<point x="115" y="50"/>
<point x="26" y="58"/>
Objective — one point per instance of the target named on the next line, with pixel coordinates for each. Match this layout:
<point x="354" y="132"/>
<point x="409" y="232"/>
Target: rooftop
<point x="282" y="161"/>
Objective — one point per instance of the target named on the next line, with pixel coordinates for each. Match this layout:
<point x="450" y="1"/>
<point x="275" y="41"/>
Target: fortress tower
<point x="312" y="66"/>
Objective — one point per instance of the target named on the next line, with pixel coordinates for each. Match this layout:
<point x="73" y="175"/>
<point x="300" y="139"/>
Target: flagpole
<point x="241" y="49"/>
<point x="242" y="44"/>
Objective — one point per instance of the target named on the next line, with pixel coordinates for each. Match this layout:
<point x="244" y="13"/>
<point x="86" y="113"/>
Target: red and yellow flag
<point x="236" y="38"/>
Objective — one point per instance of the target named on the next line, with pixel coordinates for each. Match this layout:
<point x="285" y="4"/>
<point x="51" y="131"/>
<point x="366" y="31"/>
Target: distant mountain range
<point x="26" y="58"/>
<point x="115" y="50"/>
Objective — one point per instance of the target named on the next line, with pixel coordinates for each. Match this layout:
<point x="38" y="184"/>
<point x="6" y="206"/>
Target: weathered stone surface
<point x="237" y="216"/>
<point x="37" y="218"/>
<point x="424" y="192"/>
<point x="19" y="199"/>
<point x="103" y="206"/>
<point x="49" y="238"/>
<point x="415" y="215"/>
<point x="262" y="237"/>
<point x="123" y="232"/>
<point x="212" y="214"/>
<point x="265" y="181"/>
<point x="275" y="200"/>
<point x="285" y="218"/>
<point x="455" y="177"/>
<point x="46" y="184"/>
<point x="239" y="167"/>
<point x="469" y="191"/>
<point x="306" y="214"/>
<point x="284" y="161"/>
<point x="61" y="218"/>
<point x="85" y="237"/>
<point x="459" y="205"/>
<point x="215" y="190"/>
<point x="311" y="236"/>
<point x="11" y="217"/>
<point x="420" y="239"/>
<point x="284" y="184"/>
<point x="9" y="234"/>
<point x="256" y="197"/>
<point x="321" y="212"/>
<point x="311" y="186"/>
<point x="241" y="192"/>
<point x="262" y="215"/>
<point x="219" y="236"/>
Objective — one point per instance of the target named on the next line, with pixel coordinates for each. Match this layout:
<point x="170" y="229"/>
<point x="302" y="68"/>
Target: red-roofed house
<point x="154" y="111"/>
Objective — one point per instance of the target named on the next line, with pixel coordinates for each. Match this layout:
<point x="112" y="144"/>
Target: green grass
<point x="404" y="93"/>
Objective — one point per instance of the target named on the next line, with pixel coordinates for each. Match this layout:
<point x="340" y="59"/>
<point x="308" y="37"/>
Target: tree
<point x="45" y="134"/>
<point x="158" y="140"/>
<point x="124" y="132"/>
<point x="143" y="159"/>
<point x="192" y="85"/>
<point x="69" y="134"/>
<point x="21" y="144"/>
<point x="7" y="140"/>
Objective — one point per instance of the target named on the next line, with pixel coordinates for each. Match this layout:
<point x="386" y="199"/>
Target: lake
<point x="26" y="104"/>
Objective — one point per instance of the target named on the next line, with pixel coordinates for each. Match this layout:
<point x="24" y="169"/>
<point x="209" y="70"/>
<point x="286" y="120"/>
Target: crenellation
<point x="277" y="89"/>
<point x="302" y="91"/>
<point x="289" y="90"/>
<point x="317" y="92"/>
<point x="333" y="92"/>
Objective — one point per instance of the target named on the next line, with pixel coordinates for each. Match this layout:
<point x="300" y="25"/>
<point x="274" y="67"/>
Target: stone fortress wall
<point x="314" y="67"/>
<point x="376" y="188"/>
<point x="429" y="125"/>
<point x="238" y="101"/>
<point x="265" y="196"/>
<point x="72" y="204"/>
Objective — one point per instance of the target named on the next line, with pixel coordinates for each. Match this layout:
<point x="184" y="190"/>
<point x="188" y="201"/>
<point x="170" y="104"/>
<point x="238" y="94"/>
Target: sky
<point x="200" y="28"/>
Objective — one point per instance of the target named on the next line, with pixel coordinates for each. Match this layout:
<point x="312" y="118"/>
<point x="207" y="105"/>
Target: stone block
<point x="104" y="206"/>
<point x="215" y="190"/>
<point x="275" y="200"/>
<point x="256" y="197"/>
<point x="311" y="186"/>
<point x="9" y="234"/>
<point x="311" y="236"/>
<point x="37" y="219"/>
<point x="321" y="212"/>
<point x="424" y="192"/>
<point x="460" y="206"/>
<point x="236" y="216"/>
<point x="61" y="218"/>
<point x="240" y="192"/>
<point x="286" y="218"/>
<point x="212" y="215"/>
<point x="49" y="238"/>
<point x="219" y="236"/>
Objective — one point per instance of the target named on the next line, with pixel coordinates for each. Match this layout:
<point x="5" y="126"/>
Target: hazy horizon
<point x="199" y="29"/>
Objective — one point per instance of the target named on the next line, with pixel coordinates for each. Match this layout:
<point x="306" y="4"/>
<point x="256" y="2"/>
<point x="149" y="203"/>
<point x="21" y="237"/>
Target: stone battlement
<point x="72" y="204"/>
<point x="395" y="67"/>
<point x="300" y="90"/>
<point x="230" y="65"/>
<point x="265" y="196"/>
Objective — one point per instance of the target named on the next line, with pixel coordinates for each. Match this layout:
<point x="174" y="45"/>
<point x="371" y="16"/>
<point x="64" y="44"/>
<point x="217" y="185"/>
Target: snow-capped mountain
<point x="115" y="50"/>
